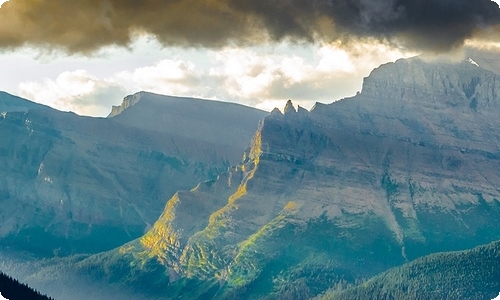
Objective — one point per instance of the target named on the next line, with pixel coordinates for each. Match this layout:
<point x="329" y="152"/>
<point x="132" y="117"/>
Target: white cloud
<point x="243" y="73"/>
<point x="269" y="105"/>
<point x="334" y="59"/>
<point x="498" y="297"/>
<point x="174" y="77"/>
<point x="268" y="79"/>
<point x="261" y="77"/>
<point x="2" y="298"/>
<point x="76" y="91"/>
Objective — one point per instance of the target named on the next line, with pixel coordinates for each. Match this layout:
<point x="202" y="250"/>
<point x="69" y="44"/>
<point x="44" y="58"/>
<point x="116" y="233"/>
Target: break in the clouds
<point x="84" y="26"/>
<point x="263" y="78"/>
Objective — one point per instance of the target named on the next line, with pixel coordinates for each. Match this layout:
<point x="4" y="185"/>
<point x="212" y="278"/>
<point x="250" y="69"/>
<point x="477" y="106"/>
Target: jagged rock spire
<point x="289" y="108"/>
<point x="276" y="111"/>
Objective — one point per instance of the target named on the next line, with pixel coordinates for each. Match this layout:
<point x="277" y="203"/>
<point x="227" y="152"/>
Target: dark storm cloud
<point x="84" y="26"/>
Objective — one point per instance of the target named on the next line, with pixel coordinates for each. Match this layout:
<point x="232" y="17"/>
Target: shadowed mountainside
<point x="225" y="126"/>
<point x="73" y="184"/>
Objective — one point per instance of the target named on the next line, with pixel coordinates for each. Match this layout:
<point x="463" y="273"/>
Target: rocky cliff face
<point x="77" y="184"/>
<point x="408" y="167"/>
<point x="126" y="103"/>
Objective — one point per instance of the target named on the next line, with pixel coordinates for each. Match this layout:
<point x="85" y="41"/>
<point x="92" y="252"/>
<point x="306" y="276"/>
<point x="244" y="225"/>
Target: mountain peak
<point x="461" y="86"/>
<point x="289" y="108"/>
<point x="276" y="112"/>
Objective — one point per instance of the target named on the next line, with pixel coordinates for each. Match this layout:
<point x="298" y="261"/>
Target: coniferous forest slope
<point x="72" y="184"/>
<point x="471" y="274"/>
<point x="14" y="290"/>
<point x="408" y="167"/>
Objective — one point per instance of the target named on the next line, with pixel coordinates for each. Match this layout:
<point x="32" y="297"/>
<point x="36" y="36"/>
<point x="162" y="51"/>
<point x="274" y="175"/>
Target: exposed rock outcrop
<point x="126" y="103"/>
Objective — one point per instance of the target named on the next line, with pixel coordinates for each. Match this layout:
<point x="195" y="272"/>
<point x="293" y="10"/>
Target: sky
<point x="85" y="56"/>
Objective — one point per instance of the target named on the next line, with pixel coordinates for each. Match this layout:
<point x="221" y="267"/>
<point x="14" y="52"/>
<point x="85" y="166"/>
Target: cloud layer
<point x="253" y="76"/>
<point x="76" y="91"/>
<point x="84" y="26"/>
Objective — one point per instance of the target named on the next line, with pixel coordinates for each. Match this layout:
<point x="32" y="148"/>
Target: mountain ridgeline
<point x="72" y="184"/>
<point x="406" y="168"/>
<point x="10" y="102"/>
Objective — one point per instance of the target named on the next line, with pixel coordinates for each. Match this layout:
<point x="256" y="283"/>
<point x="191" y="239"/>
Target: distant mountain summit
<point x="223" y="125"/>
<point x="485" y="58"/>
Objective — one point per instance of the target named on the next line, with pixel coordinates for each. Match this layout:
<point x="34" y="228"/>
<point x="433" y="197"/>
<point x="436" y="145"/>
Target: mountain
<point x="471" y="274"/>
<point x="406" y="168"/>
<point x="73" y="184"/>
<point x="224" y="126"/>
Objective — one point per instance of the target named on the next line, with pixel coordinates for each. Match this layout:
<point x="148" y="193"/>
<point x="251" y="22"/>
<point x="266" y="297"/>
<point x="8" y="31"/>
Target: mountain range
<point x="323" y="198"/>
